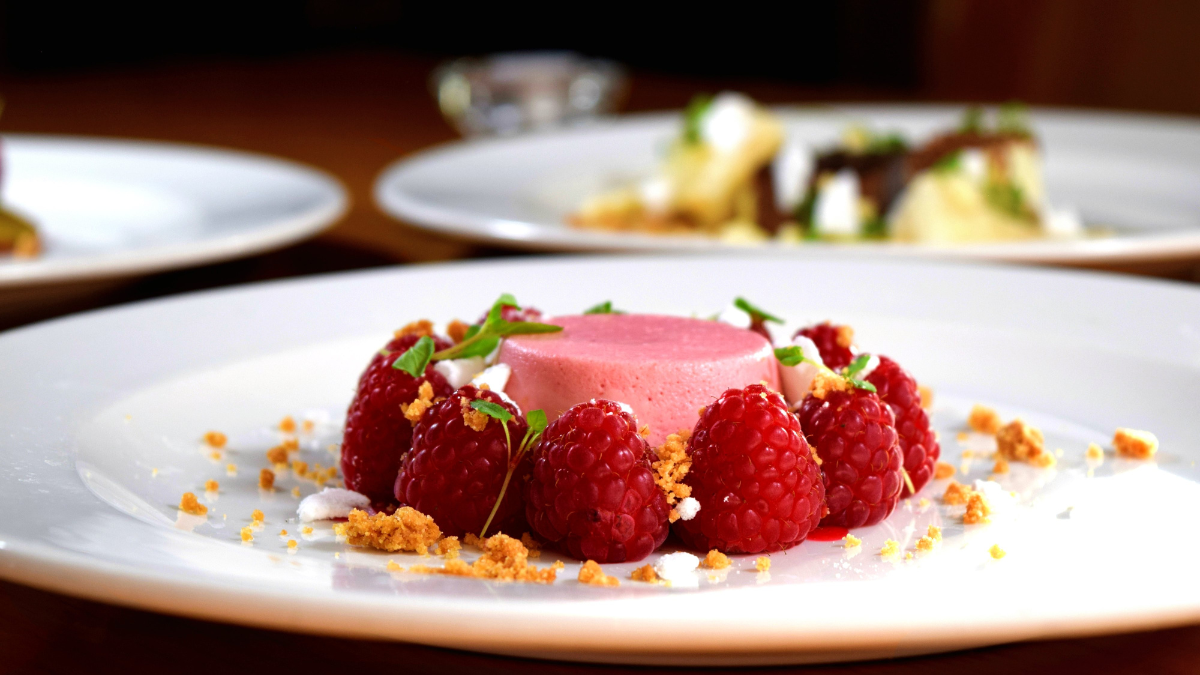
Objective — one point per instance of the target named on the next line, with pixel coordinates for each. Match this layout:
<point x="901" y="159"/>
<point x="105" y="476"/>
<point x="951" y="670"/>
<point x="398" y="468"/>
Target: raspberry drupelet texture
<point x="377" y="432"/>
<point x="918" y="443"/>
<point x="454" y="471"/>
<point x="753" y="473"/>
<point x="832" y="341"/>
<point x="854" y="434"/>
<point x="592" y="491"/>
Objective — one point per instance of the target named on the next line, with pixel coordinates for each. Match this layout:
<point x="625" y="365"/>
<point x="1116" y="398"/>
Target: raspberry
<point x="592" y="492"/>
<point x="454" y="473"/>
<point x="854" y="434"/>
<point x="832" y="341"/>
<point x="918" y="443"/>
<point x="377" y="433"/>
<point x="754" y="475"/>
<point x="510" y="313"/>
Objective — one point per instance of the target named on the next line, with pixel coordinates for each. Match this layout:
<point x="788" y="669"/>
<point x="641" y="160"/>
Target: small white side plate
<point x="108" y="208"/>
<point x="103" y="415"/>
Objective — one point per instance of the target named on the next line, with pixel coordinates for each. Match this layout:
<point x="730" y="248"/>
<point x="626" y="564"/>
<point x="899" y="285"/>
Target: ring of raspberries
<point x="762" y="475"/>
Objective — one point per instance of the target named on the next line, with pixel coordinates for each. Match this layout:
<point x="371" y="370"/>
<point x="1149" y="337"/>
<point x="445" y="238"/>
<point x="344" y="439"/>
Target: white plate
<point x="94" y="403"/>
<point x="1139" y="174"/>
<point x="113" y="208"/>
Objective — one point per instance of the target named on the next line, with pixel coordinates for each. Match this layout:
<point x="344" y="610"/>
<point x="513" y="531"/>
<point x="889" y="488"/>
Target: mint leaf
<point x="789" y="356"/>
<point x="481" y="347"/>
<point x="756" y="314"/>
<point x="692" y="115"/>
<point x="415" y="358"/>
<point x="493" y="410"/>
<point x="857" y="365"/>
<point x="862" y="384"/>
<point x="472" y="330"/>
<point x="602" y="308"/>
<point x="507" y="300"/>
<point x="537" y="420"/>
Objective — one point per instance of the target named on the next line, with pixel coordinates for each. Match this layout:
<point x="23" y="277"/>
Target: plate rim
<point x="178" y="255"/>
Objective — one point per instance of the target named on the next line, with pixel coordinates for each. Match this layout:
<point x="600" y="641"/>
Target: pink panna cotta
<point x="664" y="367"/>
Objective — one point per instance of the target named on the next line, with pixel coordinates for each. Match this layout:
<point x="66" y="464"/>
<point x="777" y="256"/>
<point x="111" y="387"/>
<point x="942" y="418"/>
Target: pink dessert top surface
<point x="664" y="367"/>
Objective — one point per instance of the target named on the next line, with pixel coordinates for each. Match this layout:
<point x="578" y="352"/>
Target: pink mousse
<point x="665" y="367"/>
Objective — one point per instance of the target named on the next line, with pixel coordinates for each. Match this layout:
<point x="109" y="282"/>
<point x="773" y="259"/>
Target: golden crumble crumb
<point x="591" y="574"/>
<point x="1020" y="442"/>
<point x="293" y="544"/>
<point x="997" y="552"/>
<point x="215" y="454"/>
<point x="457" y="330"/>
<point x="188" y="504"/>
<point x="908" y="555"/>
<point x="923" y="503"/>
<point x="405" y="530"/>
<point x="845" y="337"/>
<point x="153" y="473"/>
<point x="715" y="560"/>
<point x="1135" y="444"/>
<point x="449" y="547"/>
<point x="1095" y="453"/>
<point x="300" y="468"/>
<point x="1001" y="465"/>
<point x="26" y="245"/>
<point x="474" y="419"/>
<point x="306" y="530"/>
<point x="956" y="494"/>
<point x="266" y="479"/>
<point x="503" y="559"/>
<point x="283" y="533"/>
<point x="277" y="455"/>
<point x="287" y="425"/>
<point x="296" y="491"/>
<point x="424" y="401"/>
<point x="231" y="469"/>
<point x="962" y="436"/>
<point x="935" y="533"/>
<point x="257" y="516"/>
<point x="826" y="382"/>
<point x="392" y="566"/>
<point x="422" y="328"/>
<point x="644" y="573"/>
<point x="472" y="540"/>
<point x="308" y="426"/>
<point x="983" y="419"/>
<point x="852" y="541"/>
<point x="978" y="510"/>
<point x="1044" y="461"/>
<point x="534" y="548"/>
<point x="247" y="533"/>
<point x="762" y="563"/>
<point x="216" y="439"/>
<point x="671" y="467"/>
<point x="211" y="486"/>
<point x="644" y="431"/>
<point x="925" y="544"/>
<point x="291" y="444"/>
<point x="891" y="548"/>
<point x="926" y="396"/>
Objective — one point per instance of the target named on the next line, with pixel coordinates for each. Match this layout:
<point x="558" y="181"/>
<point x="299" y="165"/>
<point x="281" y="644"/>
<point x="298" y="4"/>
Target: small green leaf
<point x="950" y="162"/>
<point x="602" y="308"/>
<point x="755" y="312"/>
<point x="692" y="116"/>
<point x="790" y="355"/>
<point x="507" y="300"/>
<point x="415" y="358"/>
<point x="483" y="347"/>
<point x="857" y="365"/>
<point x="537" y="420"/>
<point x="862" y="384"/>
<point x="525" y="328"/>
<point x="472" y="330"/>
<point x="493" y="410"/>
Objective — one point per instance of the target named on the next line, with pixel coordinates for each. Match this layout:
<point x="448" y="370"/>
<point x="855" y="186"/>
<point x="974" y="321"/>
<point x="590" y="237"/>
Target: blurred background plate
<point x="1135" y="175"/>
<point x="107" y="210"/>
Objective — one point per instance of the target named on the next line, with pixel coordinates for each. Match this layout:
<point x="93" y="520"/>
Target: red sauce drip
<point x="828" y="534"/>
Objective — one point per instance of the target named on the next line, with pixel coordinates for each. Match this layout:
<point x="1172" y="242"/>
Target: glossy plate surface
<point x="108" y="208"/>
<point x="103" y="413"/>
<point x="1138" y="175"/>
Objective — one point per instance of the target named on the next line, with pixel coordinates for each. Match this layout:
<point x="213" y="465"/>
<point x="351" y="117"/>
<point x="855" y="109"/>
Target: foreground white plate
<point x="111" y="208"/>
<point x="1138" y="174"/>
<point x="102" y="414"/>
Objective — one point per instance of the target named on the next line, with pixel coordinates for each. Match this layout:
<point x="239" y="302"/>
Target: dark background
<point x="1112" y="53"/>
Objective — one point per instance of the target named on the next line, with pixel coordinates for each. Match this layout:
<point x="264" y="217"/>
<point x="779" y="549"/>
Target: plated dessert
<point x="603" y="435"/>
<point x="732" y="174"/>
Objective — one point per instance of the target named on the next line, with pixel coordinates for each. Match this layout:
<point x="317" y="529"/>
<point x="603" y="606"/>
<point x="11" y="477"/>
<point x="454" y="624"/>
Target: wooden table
<point x="351" y="114"/>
